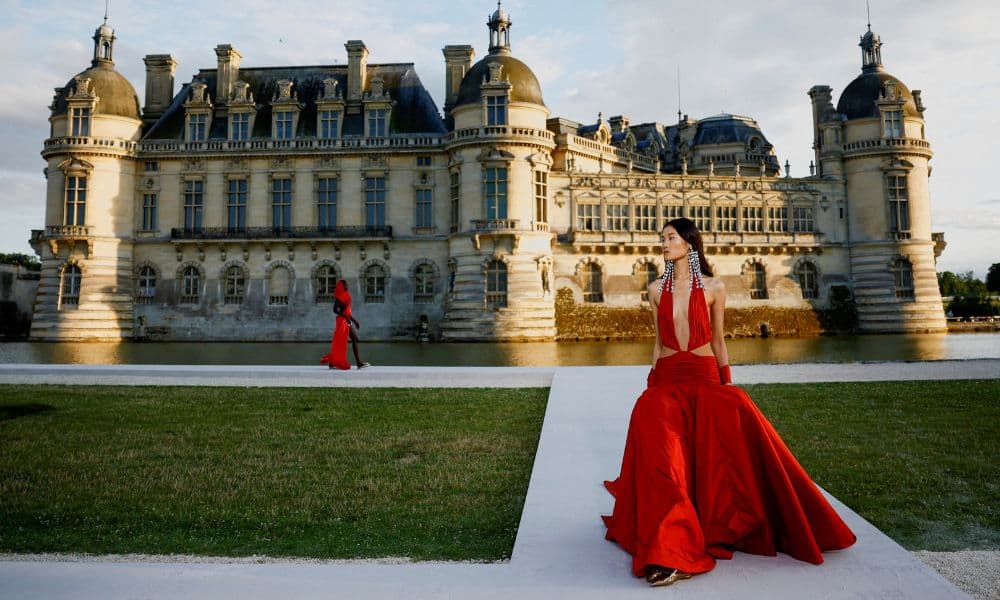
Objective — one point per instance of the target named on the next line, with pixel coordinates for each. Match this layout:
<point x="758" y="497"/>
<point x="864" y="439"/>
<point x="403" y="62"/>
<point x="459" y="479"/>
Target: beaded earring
<point x="667" y="279"/>
<point x="694" y="261"/>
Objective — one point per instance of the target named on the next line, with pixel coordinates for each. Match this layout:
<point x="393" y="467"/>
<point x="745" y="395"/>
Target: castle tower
<point x="875" y="140"/>
<point x="499" y="161"/>
<point x="85" y="248"/>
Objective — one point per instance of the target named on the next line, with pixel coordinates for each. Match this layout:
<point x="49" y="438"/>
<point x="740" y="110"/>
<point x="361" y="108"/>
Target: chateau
<point x="227" y="209"/>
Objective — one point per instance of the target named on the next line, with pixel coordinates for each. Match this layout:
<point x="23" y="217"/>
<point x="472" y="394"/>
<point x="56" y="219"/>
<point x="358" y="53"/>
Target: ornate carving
<point x="330" y="91"/>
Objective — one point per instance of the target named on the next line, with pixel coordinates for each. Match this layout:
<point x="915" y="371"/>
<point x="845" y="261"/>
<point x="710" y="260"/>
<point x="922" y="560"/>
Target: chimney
<point x="618" y="124"/>
<point x="357" y="73"/>
<point x="228" y="73"/>
<point x="822" y="101"/>
<point x="458" y="61"/>
<point x="159" y="84"/>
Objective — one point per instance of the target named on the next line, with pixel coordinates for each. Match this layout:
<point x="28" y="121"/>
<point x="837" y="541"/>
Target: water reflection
<point x="741" y="351"/>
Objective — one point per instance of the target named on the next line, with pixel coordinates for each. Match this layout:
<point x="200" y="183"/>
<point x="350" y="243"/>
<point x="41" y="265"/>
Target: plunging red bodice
<point x="698" y="322"/>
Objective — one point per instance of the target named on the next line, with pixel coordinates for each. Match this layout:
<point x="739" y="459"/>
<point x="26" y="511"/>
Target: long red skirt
<point x="337" y="357"/>
<point x="704" y="473"/>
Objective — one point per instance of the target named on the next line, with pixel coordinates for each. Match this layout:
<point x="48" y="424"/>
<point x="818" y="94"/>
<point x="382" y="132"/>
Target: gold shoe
<point x="660" y="576"/>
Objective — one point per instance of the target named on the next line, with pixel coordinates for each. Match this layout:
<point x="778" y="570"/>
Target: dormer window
<point x="377" y="122"/>
<point x="496" y="110"/>
<point x="892" y="123"/>
<point x="329" y="124"/>
<point x="81" y="122"/>
<point x="283" y="125"/>
<point x="239" y="126"/>
<point x="197" y="128"/>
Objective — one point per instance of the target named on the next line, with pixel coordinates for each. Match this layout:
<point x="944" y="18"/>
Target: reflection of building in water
<point x="229" y="208"/>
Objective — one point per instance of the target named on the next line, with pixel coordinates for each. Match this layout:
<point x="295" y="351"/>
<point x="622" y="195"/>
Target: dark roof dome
<point x="525" y="85"/>
<point x="728" y="129"/>
<point x="115" y="94"/>
<point x="859" y="97"/>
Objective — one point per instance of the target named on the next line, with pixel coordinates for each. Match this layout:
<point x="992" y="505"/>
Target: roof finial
<point x="106" y="6"/>
<point x="868" y="7"/>
<point x="498" y="4"/>
<point x="678" y="93"/>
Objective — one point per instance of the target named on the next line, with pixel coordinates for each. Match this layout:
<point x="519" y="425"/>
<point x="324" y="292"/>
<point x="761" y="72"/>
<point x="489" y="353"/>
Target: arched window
<point x="278" y="284"/>
<point x="902" y="274"/>
<point x="375" y="284"/>
<point x="593" y="289"/>
<point x="423" y="283"/>
<point x="649" y="274"/>
<point x="190" y="285"/>
<point x="496" y="284"/>
<point x="806" y="274"/>
<point x="146" y="285"/>
<point x="69" y="289"/>
<point x="326" y="280"/>
<point x="236" y="285"/>
<point x="758" y="281"/>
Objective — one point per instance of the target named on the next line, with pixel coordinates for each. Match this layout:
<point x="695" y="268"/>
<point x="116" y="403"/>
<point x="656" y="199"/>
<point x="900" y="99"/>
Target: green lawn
<point x="430" y="474"/>
<point x="283" y="472"/>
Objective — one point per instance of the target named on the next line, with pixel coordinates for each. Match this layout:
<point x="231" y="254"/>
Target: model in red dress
<point x="704" y="473"/>
<point x="344" y="330"/>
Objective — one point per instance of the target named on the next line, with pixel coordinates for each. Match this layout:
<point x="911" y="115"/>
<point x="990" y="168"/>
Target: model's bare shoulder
<point x="653" y="290"/>
<point x="715" y="288"/>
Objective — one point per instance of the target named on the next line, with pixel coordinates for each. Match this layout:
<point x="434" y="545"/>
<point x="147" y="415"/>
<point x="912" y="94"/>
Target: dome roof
<point x="859" y="97"/>
<point x="115" y="94"/>
<point x="525" y="84"/>
<point x="729" y="129"/>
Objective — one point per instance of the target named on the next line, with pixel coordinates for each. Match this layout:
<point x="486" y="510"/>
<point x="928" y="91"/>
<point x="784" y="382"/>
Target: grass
<point x="920" y="460"/>
<point x="425" y="473"/>
<point x="431" y="474"/>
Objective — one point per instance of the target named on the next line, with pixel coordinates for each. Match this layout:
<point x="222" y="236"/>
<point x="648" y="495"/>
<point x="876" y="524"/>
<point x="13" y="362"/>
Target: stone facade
<point x="227" y="209"/>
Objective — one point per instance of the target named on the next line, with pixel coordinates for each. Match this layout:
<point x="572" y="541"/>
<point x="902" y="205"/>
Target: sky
<point x="616" y="57"/>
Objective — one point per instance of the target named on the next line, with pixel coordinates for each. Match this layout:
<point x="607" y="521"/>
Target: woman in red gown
<point x="704" y="473"/>
<point x="343" y="330"/>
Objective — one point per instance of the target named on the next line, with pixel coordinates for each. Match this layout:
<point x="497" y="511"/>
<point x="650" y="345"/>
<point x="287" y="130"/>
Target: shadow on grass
<point x="13" y="411"/>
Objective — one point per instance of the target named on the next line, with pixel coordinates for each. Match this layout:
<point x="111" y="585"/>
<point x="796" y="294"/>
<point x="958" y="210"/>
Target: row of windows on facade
<point x="326" y="198"/>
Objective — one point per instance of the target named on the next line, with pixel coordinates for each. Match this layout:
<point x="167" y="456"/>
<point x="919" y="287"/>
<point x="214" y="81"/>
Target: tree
<point x="22" y="260"/>
<point x="993" y="278"/>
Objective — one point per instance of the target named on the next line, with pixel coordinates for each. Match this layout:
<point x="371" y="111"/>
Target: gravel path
<point x="976" y="572"/>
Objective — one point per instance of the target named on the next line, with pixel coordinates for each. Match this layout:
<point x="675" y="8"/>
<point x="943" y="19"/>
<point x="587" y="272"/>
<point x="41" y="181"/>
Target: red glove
<point x="725" y="375"/>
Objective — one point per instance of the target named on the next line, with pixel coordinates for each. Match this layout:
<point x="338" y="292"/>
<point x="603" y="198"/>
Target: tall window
<point x="376" y="122"/>
<point x="151" y="166"/>
<point x="588" y="217"/>
<point x="753" y="221"/>
<point x="190" y="285"/>
<point x="725" y="219"/>
<point x="423" y="283"/>
<point x="899" y="205"/>
<point x="702" y="216"/>
<point x="326" y="281"/>
<point x="375" y="284"/>
<point x="758" y="281"/>
<point x="149" y="212"/>
<point x="456" y="200"/>
<point x="649" y="274"/>
<point x="593" y="289"/>
<point x="802" y="219"/>
<point x="197" y="125"/>
<point x="329" y="123"/>
<point x="236" y="285"/>
<point x="69" y="289"/>
<point x="644" y="217"/>
<point x="892" y="123"/>
<point x="496" y="110"/>
<point x="617" y="215"/>
<point x="496" y="193"/>
<point x="806" y="274"/>
<point x="279" y="282"/>
<point x="146" y="285"/>
<point x="283" y="125"/>
<point x="425" y="209"/>
<point x="326" y="202"/>
<point x="236" y="205"/>
<point x="240" y="124"/>
<point x="281" y="204"/>
<point x="902" y="274"/>
<point x="777" y="217"/>
<point x="375" y="201"/>
<point x="423" y="161"/>
<point x="672" y="211"/>
<point x="542" y="196"/>
<point x="194" y="196"/>
<point x="81" y="122"/>
<point x="496" y="284"/>
<point x="76" y="200"/>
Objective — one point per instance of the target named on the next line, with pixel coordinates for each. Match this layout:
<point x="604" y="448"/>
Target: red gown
<point x="337" y="357"/>
<point x="704" y="473"/>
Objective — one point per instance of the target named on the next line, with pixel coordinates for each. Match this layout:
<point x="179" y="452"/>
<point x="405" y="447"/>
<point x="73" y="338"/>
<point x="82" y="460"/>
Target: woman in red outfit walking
<point x="343" y="330"/>
<point x="704" y="473"/>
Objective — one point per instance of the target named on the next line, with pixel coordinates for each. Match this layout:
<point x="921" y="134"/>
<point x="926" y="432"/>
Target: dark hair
<point x="689" y="232"/>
